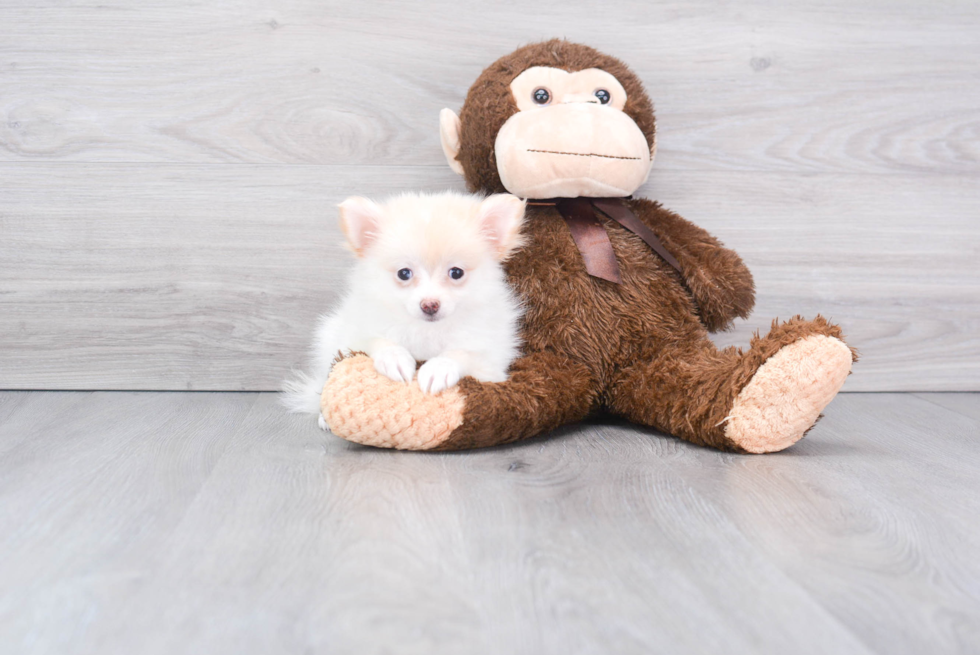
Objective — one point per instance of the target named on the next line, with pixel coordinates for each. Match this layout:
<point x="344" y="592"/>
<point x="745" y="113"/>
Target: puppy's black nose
<point x="430" y="307"/>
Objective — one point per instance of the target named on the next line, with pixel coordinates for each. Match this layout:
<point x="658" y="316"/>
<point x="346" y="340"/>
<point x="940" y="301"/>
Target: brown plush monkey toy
<point x="620" y="292"/>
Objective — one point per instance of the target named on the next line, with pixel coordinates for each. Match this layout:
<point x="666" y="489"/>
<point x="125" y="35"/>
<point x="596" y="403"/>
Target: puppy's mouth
<point x="431" y="319"/>
<point x="582" y="154"/>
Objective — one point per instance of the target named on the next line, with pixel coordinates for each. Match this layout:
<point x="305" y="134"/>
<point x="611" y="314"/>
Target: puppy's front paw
<point x="322" y="422"/>
<point x="395" y="362"/>
<point x="438" y="374"/>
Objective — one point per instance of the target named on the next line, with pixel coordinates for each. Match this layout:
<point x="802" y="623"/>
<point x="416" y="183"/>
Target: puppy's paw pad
<point x="395" y="363"/>
<point x="438" y="374"/>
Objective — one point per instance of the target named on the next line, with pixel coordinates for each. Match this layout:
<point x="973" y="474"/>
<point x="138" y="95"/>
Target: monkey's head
<point x="553" y="119"/>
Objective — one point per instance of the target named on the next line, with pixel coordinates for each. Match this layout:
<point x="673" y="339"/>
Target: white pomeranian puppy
<point x="428" y="286"/>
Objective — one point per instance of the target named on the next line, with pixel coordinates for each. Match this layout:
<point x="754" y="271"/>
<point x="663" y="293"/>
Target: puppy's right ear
<point x="360" y="220"/>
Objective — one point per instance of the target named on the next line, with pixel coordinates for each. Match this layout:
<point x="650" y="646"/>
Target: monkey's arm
<point x="544" y="390"/>
<point x="716" y="276"/>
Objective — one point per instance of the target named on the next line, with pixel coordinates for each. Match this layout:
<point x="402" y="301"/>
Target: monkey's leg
<point x="759" y="401"/>
<point x="543" y="392"/>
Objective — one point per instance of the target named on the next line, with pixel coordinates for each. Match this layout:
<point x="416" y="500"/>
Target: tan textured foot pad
<point x="786" y="395"/>
<point x="363" y="406"/>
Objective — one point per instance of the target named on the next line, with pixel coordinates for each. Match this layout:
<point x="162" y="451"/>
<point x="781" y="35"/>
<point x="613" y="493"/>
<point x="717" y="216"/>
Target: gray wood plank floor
<point x="214" y="523"/>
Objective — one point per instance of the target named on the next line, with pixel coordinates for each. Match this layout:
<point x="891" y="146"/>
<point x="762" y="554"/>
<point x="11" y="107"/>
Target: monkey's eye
<point x="455" y="273"/>
<point x="541" y="95"/>
<point x="603" y="96"/>
<point x="405" y="274"/>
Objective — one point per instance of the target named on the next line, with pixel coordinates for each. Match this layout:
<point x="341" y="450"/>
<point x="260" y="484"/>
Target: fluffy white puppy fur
<point x="427" y="286"/>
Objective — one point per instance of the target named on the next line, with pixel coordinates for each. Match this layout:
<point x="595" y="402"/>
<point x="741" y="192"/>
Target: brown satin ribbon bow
<point x="591" y="238"/>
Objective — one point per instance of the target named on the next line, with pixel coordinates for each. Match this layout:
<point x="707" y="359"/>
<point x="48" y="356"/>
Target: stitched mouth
<point x="582" y="154"/>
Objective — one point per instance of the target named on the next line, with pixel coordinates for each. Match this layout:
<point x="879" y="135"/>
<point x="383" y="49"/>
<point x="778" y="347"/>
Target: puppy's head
<point x="433" y="254"/>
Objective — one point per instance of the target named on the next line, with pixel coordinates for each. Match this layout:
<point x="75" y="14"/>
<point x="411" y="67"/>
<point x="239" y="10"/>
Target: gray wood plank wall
<point x="169" y="170"/>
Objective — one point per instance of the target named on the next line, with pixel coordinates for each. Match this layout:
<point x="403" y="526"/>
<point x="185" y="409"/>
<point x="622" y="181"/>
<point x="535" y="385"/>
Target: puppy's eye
<point x="455" y="273"/>
<point x="541" y="95"/>
<point x="603" y="96"/>
<point x="405" y="274"/>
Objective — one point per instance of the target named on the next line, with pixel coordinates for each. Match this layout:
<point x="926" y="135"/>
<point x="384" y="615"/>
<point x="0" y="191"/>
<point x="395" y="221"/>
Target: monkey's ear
<point x="360" y="221"/>
<point x="449" y="134"/>
<point x="501" y="218"/>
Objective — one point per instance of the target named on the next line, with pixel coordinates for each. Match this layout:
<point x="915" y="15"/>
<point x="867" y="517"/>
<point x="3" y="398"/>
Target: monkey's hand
<point x="367" y="407"/>
<point x="720" y="282"/>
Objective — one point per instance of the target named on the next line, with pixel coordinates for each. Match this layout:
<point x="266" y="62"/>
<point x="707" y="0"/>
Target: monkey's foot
<point x="363" y="406"/>
<point x="787" y="393"/>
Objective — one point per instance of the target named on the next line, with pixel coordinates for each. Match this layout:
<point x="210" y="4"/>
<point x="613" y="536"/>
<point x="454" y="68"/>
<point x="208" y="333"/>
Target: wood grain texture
<point x="836" y="87"/>
<point x="117" y="280"/>
<point x="89" y="502"/>
<point x="178" y="522"/>
<point x="967" y="404"/>
<point x="171" y="277"/>
<point x="169" y="168"/>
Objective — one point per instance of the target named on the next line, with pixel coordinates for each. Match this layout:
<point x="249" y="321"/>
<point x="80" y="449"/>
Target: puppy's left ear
<point x="360" y="220"/>
<point x="501" y="218"/>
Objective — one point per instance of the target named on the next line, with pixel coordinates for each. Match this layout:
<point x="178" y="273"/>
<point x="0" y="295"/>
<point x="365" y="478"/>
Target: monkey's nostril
<point x="430" y="307"/>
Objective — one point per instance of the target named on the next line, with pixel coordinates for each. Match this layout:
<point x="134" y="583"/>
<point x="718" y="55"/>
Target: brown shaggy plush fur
<point x="639" y="349"/>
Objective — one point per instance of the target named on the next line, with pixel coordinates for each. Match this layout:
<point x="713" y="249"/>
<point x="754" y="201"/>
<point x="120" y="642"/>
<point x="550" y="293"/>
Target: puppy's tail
<point x="302" y="394"/>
